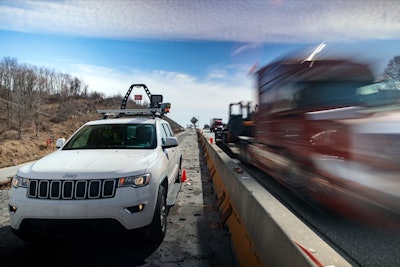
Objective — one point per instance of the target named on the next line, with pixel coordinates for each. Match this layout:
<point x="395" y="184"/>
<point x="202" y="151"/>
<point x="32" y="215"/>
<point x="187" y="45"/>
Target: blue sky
<point x="196" y="53"/>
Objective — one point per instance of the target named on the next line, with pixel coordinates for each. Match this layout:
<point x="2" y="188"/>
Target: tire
<point x="179" y="177"/>
<point x="158" y="227"/>
<point x="22" y="236"/>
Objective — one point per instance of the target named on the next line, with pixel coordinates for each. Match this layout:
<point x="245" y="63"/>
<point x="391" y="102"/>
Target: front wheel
<point x="158" y="226"/>
<point x="178" y="178"/>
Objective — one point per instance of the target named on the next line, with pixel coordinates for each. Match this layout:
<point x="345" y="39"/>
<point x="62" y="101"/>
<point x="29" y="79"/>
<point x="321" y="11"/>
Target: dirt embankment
<point x="35" y="144"/>
<point x="32" y="146"/>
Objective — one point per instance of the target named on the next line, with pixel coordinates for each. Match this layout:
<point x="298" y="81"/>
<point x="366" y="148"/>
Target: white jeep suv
<point x="111" y="176"/>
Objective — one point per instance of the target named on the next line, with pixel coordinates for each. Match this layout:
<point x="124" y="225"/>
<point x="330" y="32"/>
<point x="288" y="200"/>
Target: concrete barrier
<point x="263" y="231"/>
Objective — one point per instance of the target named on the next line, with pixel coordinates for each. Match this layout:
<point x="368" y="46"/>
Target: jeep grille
<point x="72" y="189"/>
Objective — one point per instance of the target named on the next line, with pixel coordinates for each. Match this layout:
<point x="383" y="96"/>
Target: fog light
<point x="137" y="208"/>
<point x="12" y="209"/>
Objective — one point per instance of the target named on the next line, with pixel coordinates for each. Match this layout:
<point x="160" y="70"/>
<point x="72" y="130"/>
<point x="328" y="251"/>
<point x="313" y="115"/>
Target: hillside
<point x="61" y="121"/>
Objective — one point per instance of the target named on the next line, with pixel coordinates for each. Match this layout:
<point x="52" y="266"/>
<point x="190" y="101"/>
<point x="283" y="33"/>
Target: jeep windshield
<point x="114" y="136"/>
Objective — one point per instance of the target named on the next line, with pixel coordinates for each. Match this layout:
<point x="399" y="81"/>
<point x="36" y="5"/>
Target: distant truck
<point x="216" y="124"/>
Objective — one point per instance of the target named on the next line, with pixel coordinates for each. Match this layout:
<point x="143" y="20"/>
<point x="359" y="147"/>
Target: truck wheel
<point x="293" y="177"/>
<point x="158" y="226"/>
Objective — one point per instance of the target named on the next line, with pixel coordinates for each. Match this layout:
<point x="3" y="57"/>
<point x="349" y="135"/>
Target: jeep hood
<point x="86" y="163"/>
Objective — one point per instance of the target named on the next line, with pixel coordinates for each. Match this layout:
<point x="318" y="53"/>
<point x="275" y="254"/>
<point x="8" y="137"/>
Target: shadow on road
<point x="73" y="252"/>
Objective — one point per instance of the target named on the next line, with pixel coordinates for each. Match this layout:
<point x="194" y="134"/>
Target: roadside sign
<point x="193" y="120"/>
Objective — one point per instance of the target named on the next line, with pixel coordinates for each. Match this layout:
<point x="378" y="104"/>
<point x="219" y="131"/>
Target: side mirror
<point x="170" y="142"/>
<point x="60" y="142"/>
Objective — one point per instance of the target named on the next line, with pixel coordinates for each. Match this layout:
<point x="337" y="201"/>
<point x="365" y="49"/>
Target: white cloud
<point x="253" y="22"/>
<point x="245" y="21"/>
<point x="217" y="74"/>
<point x="189" y="96"/>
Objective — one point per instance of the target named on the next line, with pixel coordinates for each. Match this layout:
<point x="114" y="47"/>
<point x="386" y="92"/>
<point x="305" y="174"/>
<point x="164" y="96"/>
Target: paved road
<point x="7" y="173"/>
<point x="195" y="236"/>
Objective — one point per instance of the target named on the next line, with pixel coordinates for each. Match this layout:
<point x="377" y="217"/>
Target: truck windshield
<point x="114" y="136"/>
<point x="313" y="95"/>
<point x="379" y="94"/>
<point x="336" y="94"/>
<point x="328" y="94"/>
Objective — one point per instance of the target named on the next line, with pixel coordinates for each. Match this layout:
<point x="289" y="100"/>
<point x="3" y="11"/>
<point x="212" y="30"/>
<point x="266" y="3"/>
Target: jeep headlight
<point x="19" y="181"/>
<point x="134" y="181"/>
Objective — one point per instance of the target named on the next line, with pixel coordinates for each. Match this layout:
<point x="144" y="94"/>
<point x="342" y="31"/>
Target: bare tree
<point x="85" y="92"/>
<point x="75" y="87"/>
<point x="23" y="88"/>
<point x="391" y="73"/>
<point x="8" y="68"/>
<point x="23" y="95"/>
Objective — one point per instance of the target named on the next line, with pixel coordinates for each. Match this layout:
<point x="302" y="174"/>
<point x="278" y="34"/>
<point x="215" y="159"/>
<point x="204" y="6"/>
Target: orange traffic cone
<point x="183" y="178"/>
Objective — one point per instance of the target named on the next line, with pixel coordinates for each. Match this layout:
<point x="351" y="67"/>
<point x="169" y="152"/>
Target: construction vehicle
<point x="240" y="123"/>
<point x="326" y="131"/>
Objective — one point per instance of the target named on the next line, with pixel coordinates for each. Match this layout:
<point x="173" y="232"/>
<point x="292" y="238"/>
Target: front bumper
<point x="124" y="210"/>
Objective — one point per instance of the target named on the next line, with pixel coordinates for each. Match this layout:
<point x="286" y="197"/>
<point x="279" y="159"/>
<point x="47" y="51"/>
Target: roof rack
<point x="154" y="112"/>
<point x="156" y="109"/>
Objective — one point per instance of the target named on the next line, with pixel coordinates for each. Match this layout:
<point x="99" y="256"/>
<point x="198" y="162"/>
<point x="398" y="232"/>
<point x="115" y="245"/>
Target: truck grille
<point x="72" y="189"/>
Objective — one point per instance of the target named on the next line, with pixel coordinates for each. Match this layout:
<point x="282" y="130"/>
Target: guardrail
<point x="263" y="231"/>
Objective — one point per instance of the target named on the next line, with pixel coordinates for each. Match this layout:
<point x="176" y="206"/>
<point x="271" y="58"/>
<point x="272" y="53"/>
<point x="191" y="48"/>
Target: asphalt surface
<point x="195" y="235"/>
<point x="6" y="174"/>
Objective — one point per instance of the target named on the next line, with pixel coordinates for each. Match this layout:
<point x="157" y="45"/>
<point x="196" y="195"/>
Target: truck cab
<point x="328" y="132"/>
